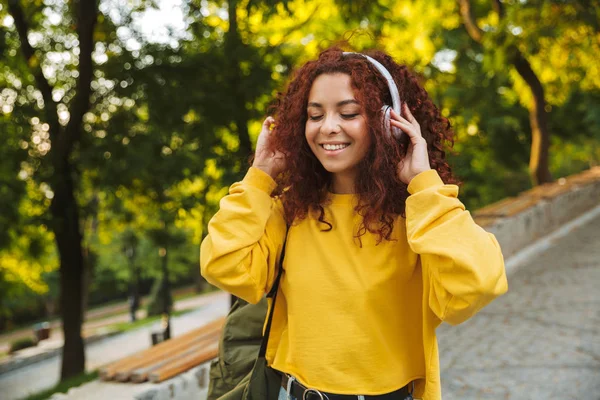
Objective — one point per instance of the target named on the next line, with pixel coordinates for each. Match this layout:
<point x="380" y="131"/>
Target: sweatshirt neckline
<point x="336" y="198"/>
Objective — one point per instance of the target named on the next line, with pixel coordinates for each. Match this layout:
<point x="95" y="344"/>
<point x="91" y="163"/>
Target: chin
<point x="334" y="168"/>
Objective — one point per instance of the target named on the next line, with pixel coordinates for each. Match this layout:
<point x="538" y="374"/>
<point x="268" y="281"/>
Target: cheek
<point x="364" y="148"/>
<point x="362" y="134"/>
<point x="310" y="133"/>
<point x="364" y="141"/>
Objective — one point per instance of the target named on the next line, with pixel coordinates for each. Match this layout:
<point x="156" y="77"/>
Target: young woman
<point x="379" y="249"/>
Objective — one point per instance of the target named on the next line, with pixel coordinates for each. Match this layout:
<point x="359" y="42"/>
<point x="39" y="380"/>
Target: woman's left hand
<point x="416" y="159"/>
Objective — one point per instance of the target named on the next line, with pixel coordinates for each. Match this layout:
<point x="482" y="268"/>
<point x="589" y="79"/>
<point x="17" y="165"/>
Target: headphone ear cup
<point x="397" y="133"/>
<point x="390" y="131"/>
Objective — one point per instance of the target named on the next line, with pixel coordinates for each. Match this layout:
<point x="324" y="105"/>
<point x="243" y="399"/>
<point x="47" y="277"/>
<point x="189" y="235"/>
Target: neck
<point x="343" y="183"/>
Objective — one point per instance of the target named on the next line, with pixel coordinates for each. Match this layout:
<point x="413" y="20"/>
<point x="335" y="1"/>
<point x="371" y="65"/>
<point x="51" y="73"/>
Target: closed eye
<point x="345" y="116"/>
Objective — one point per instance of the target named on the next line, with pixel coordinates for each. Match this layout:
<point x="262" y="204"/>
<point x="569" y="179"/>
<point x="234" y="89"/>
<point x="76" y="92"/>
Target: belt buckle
<point x="309" y="391"/>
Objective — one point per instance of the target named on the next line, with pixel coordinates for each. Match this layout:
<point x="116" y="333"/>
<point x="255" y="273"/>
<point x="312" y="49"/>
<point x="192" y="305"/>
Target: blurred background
<point x="123" y="122"/>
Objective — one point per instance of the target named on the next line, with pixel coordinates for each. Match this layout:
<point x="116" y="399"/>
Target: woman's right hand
<point x="273" y="163"/>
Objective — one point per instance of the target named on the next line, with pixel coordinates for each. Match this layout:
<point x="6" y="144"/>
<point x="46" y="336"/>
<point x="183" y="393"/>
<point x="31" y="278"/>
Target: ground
<point x="541" y="340"/>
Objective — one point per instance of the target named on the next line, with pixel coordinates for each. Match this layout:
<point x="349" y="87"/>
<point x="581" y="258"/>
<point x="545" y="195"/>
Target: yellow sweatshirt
<point x="351" y="319"/>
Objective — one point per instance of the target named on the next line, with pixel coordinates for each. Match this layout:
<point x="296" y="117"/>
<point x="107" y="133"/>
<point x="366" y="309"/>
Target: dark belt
<point x="300" y="392"/>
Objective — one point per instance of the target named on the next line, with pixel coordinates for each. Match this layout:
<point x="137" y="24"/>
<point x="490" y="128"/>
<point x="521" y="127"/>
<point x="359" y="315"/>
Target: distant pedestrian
<point x="133" y="306"/>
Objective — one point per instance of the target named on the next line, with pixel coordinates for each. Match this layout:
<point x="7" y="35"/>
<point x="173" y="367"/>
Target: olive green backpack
<point x="240" y="372"/>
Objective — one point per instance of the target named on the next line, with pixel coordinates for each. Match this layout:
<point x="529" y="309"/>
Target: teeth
<point x="335" y="146"/>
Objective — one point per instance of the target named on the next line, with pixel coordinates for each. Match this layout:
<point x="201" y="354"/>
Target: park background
<point x="122" y="123"/>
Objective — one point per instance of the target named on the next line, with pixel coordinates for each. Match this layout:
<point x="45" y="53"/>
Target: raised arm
<point x="245" y="239"/>
<point x="462" y="264"/>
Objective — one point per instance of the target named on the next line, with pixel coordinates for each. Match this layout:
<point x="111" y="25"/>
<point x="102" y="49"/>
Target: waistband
<point x="300" y="392"/>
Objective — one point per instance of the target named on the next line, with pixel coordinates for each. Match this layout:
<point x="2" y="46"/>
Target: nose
<point x="330" y="125"/>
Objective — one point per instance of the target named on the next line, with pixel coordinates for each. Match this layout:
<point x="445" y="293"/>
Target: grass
<point x="187" y="295"/>
<point x="64" y="386"/>
<point x="22" y="343"/>
<point x="128" y="326"/>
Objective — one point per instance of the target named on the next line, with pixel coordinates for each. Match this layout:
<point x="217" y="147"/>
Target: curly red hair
<point x="382" y="195"/>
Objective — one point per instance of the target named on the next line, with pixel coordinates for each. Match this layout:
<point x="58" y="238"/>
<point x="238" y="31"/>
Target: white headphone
<point x="386" y="109"/>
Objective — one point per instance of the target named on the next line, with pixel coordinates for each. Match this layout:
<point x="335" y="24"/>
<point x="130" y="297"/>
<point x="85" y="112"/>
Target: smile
<point x="334" y="148"/>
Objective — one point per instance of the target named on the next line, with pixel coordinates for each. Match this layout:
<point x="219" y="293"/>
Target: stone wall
<point x="519" y="221"/>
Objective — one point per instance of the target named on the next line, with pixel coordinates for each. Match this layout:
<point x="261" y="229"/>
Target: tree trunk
<point x="233" y="46"/>
<point x="90" y="258"/>
<point x="64" y="209"/>
<point x="136" y="300"/>
<point x="200" y="281"/>
<point x="540" y="136"/>
<point x="166" y="293"/>
<point x="67" y="232"/>
<point x="134" y="284"/>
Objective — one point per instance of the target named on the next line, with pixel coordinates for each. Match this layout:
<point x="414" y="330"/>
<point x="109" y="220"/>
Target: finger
<point x="413" y="124"/>
<point x="397" y="116"/>
<point x="407" y="112"/>
<point x="268" y="122"/>
<point x="404" y="125"/>
<point x="408" y="128"/>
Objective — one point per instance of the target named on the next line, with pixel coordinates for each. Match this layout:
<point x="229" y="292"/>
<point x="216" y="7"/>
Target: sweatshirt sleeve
<point x="245" y="237"/>
<point x="462" y="263"/>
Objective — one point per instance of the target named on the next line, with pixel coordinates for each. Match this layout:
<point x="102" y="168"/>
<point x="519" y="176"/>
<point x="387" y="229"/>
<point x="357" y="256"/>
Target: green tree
<point x="520" y="35"/>
<point x="63" y="105"/>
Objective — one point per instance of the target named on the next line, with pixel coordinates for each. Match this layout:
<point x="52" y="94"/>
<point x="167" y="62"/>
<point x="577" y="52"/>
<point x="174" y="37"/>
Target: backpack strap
<point x="273" y="294"/>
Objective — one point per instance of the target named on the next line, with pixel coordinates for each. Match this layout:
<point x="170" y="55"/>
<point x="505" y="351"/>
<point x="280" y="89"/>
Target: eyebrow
<point x="339" y="104"/>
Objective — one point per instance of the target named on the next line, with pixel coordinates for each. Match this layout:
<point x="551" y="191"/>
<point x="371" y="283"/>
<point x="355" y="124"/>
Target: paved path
<point x="541" y="340"/>
<point x="45" y="374"/>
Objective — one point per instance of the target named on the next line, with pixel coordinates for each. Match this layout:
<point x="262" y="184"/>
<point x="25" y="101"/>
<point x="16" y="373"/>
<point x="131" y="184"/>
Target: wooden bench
<point x="168" y="358"/>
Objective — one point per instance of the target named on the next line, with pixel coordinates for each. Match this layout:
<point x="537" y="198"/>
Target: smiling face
<point x="336" y="129"/>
